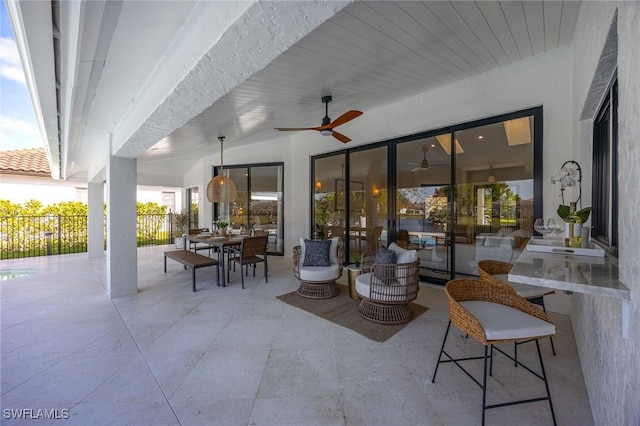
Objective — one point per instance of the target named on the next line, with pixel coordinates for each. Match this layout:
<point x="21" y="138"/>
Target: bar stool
<point x="492" y="315"/>
<point x="497" y="272"/>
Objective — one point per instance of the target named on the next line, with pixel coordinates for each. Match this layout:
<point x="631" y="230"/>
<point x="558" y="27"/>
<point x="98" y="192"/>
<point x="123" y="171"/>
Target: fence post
<point x="48" y="236"/>
<point x="59" y="234"/>
<point x="170" y="227"/>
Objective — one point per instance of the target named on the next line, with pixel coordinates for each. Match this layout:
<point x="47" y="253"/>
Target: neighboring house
<point x="25" y="175"/>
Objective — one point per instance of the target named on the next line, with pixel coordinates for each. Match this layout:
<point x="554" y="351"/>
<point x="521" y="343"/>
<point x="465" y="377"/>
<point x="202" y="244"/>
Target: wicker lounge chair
<point x="386" y="289"/>
<point x="319" y="282"/>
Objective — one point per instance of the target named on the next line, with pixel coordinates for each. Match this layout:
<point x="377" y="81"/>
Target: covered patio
<point x="168" y="356"/>
<point x="108" y="335"/>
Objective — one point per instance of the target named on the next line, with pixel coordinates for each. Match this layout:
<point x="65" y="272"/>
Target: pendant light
<point x="221" y="188"/>
<point x="491" y="178"/>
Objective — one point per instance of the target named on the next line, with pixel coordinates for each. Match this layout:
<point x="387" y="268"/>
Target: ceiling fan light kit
<point x="326" y="128"/>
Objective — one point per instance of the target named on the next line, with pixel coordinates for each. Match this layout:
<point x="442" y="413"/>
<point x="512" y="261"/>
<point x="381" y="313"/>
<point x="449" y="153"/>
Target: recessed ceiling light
<point x="480" y="137"/>
<point x="433" y="145"/>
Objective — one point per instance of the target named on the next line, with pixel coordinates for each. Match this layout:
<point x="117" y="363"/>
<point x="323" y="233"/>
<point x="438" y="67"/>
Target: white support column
<point x="122" y="261"/>
<point x="96" y="219"/>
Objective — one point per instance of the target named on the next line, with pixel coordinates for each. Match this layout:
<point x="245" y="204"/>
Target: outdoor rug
<point x="343" y="310"/>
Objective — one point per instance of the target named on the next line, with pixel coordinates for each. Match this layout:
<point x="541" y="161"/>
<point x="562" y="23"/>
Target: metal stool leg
<point x="433" y="379"/>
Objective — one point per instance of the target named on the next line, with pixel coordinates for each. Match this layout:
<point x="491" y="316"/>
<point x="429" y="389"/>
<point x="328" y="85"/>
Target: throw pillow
<point x="316" y="253"/>
<point x="384" y="256"/>
<point x="403" y="255"/>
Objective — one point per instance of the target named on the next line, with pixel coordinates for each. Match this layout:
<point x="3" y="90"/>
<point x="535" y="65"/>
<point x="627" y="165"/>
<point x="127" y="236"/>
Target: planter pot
<point x="179" y="242"/>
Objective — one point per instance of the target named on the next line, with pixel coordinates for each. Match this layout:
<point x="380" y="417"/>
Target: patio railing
<point x="29" y="236"/>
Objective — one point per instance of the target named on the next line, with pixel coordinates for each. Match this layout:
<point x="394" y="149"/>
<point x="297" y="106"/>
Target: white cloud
<point x="18" y="134"/>
<point x="16" y="125"/>
<point x="10" y="64"/>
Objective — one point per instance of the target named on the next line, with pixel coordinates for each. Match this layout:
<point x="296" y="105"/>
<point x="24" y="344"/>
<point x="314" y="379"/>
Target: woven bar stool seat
<point x="493" y="315"/>
<point x="497" y="273"/>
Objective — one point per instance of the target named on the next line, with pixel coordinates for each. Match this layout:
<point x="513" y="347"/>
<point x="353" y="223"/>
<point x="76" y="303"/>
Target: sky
<point x="18" y="128"/>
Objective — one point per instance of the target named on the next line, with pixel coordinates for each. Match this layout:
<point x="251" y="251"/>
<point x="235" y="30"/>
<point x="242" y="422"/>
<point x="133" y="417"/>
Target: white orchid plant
<point x="570" y="175"/>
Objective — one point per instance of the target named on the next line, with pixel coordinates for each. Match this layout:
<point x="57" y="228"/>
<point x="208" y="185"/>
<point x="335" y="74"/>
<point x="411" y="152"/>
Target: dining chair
<point x="492" y="315"/>
<point x="252" y="250"/>
<point x="407" y="241"/>
<point x="496" y="272"/>
<point x="372" y="238"/>
<point x="198" y="246"/>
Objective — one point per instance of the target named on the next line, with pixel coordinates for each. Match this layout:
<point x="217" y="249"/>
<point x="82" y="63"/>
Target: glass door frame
<point x="391" y="144"/>
<point x="215" y="208"/>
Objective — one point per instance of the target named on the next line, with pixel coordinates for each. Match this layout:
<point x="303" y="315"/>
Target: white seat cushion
<point x="395" y="292"/>
<point x="319" y="273"/>
<point x="502" y="322"/>
<point x="525" y="290"/>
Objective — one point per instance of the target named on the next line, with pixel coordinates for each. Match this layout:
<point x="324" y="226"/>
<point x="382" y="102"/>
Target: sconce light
<point x="375" y="192"/>
<point x="318" y="186"/>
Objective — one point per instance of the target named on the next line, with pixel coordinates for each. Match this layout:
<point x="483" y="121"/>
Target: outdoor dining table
<point x="221" y="243"/>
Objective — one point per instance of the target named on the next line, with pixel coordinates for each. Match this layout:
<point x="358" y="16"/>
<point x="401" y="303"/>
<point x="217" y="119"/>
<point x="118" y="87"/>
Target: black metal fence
<point x="29" y="236"/>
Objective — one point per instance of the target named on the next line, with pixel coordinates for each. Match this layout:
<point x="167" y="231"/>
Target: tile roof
<point x="32" y="162"/>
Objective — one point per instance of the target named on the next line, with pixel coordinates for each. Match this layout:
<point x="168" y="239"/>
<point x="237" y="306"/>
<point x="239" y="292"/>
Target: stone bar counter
<point x="573" y="273"/>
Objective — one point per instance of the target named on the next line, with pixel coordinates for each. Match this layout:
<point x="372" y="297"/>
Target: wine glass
<point x="555" y="226"/>
<point x="542" y="227"/>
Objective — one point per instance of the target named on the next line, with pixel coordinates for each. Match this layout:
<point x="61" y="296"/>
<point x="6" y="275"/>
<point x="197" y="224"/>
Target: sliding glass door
<point x="259" y="202"/>
<point x="423" y="201"/>
<point x="493" y="192"/>
<point x="368" y="207"/>
<point x="459" y="195"/>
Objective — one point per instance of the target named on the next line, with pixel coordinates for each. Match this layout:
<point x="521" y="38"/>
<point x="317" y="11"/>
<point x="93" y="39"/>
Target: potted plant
<point x="356" y="257"/>
<point x="222" y="226"/>
<point x="571" y="175"/>
<point x="181" y="223"/>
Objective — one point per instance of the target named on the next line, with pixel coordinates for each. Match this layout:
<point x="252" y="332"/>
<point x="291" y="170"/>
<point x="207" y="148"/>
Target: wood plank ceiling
<point x="368" y="55"/>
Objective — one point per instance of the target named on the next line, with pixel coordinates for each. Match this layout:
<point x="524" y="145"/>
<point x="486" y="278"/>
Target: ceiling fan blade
<point x="415" y="169"/>
<point x="292" y="129"/>
<point x="413" y="164"/>
<point x="347" y="116"/>
<point x="342" y="138"/>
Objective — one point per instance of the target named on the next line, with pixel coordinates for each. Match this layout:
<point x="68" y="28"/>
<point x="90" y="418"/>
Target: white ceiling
<point x="366" y="55"/>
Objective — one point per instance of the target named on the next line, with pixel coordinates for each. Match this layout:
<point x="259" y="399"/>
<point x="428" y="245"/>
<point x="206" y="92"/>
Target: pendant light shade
<point x="221" y="188"/>
<point x="491" y="178"/>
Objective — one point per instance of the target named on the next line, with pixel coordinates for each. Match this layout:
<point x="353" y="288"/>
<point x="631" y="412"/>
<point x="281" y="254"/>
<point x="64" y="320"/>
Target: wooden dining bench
<point x="192" y="260"/>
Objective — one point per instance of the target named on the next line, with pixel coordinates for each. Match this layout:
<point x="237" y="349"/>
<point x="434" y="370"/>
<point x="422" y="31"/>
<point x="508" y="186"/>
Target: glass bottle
<point x="575" y="225"/>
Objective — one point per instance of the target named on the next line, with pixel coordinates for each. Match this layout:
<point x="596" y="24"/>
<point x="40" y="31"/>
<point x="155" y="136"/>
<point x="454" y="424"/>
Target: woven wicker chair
<point x="319" y="282"/>
<point x="493" y="315"/>
<point x="386" y="289"/>
<point x="495" y="272"/>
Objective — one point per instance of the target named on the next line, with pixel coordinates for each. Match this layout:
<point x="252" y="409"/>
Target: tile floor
<point x="227" y="356"/>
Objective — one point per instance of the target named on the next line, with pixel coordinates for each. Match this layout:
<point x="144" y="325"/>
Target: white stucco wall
<point x="545" y="80"/>
<point x="611" y="365"/>
<point x="559" y="82"/>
